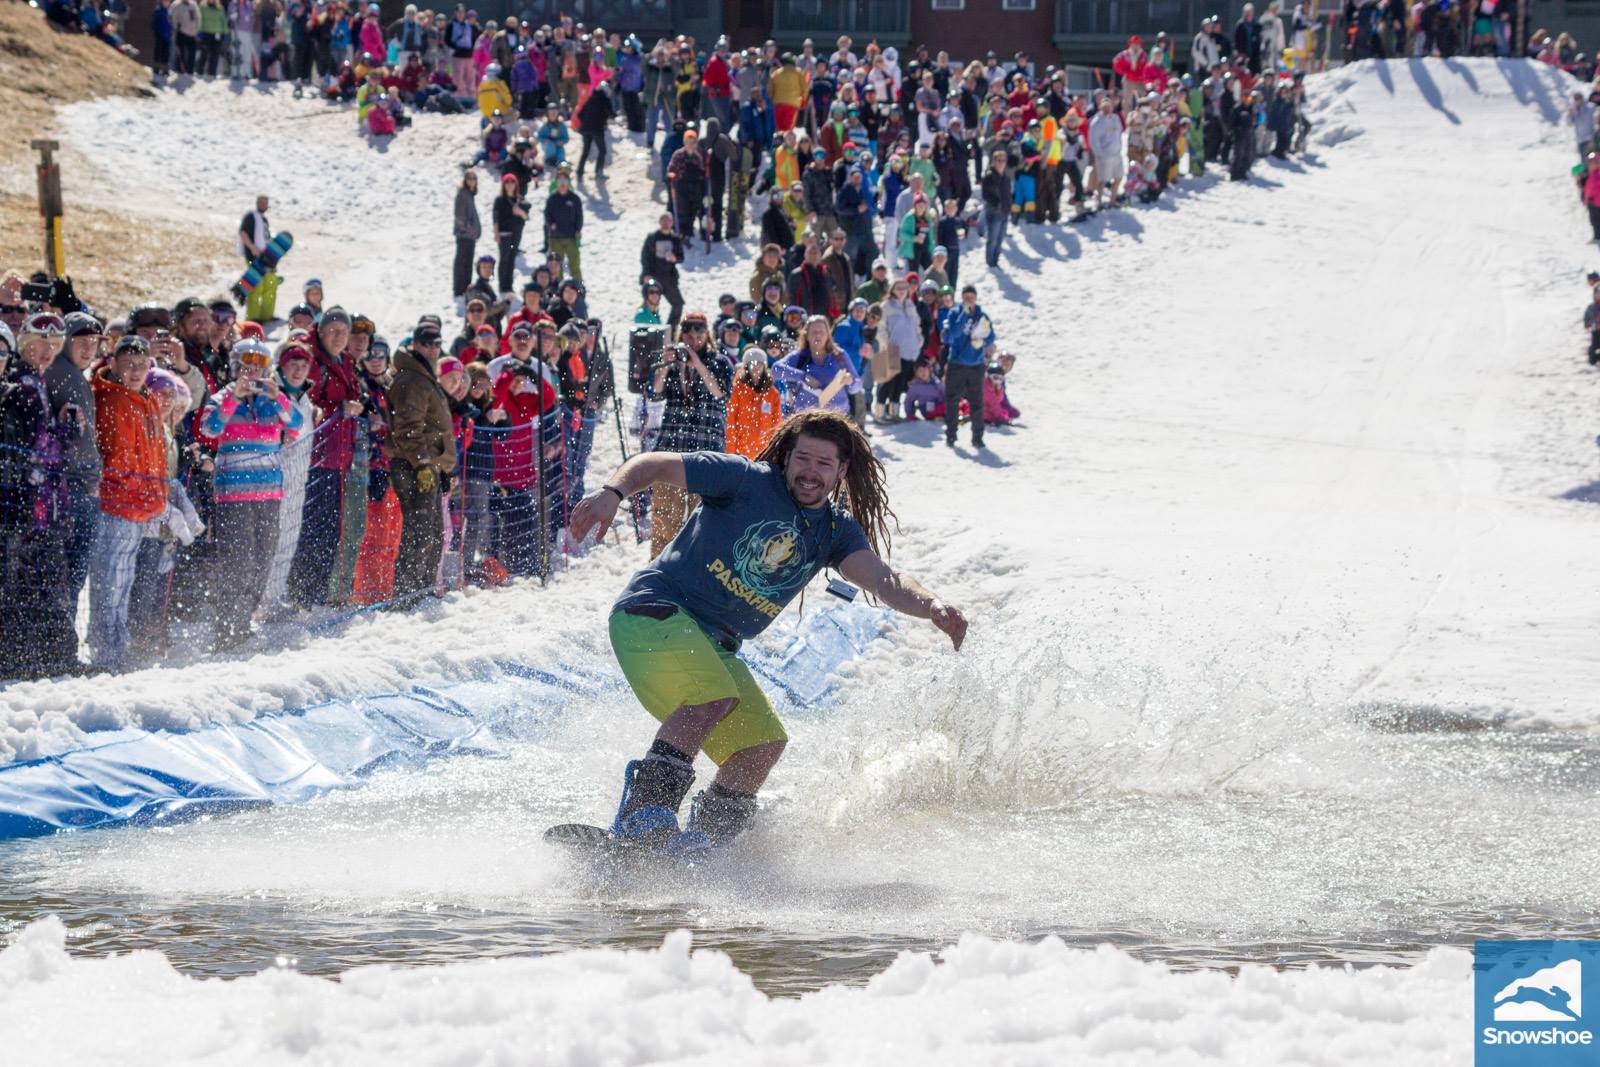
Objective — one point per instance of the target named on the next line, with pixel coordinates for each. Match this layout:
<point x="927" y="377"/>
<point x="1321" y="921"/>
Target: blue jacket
<point x="524" y="78"/>
<point x="161" y="24"/>
<point x="630" y="72"/>
<point x="789" y="371"/>
<point x="847" y="205"/>
<point x="755" y="125"/>
<point x="850" y="335"/>
<point x="966" y="351"/>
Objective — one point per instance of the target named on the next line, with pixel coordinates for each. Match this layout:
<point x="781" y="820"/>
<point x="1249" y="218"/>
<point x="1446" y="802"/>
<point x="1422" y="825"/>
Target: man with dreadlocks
<point x="814" y="498"/>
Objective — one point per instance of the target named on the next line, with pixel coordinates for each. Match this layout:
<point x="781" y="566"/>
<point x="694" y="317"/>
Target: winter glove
<point x="425" y="480"/>
<point x="446" y="483"/>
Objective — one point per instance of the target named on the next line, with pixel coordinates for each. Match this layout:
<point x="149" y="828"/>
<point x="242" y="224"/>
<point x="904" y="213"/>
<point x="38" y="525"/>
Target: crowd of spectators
<point x="184" y="471"/>
<point x="198" y="481"/>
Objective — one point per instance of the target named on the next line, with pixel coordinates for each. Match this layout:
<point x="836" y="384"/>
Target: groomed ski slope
<point x="1295" y="455"/>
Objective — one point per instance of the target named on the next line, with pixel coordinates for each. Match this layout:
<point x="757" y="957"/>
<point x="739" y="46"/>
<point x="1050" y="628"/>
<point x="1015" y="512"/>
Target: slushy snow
<point x="983" y="1001"/>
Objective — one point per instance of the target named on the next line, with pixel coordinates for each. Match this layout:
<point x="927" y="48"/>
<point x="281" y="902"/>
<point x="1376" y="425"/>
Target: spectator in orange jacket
<point x="754" y="406"/>
<point x="133" y="490"/>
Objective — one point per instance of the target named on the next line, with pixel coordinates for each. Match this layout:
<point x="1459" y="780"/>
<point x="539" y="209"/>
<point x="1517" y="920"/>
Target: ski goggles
<point x="45" y="324"/>
<point x="253" y="357"/>
<point x="223" y="318"/>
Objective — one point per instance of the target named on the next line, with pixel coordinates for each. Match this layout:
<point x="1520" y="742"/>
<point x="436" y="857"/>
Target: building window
<point x="947" y="5"/>
<point x="1018" y="5"/>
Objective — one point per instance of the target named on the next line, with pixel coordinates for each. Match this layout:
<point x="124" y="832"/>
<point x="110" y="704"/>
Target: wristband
<point x="621" y="497"/>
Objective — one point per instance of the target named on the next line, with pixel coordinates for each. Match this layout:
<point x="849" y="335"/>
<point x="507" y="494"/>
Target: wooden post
<point x="50" y="209"/>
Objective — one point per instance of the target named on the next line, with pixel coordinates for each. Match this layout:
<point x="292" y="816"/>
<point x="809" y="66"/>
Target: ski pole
<point x="622" y="441"/>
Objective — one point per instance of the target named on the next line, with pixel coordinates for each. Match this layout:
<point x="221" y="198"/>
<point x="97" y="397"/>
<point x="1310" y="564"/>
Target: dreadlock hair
<point x="862" y="492"/>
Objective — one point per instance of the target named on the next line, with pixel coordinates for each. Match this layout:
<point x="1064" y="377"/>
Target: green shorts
<point x="672" y="662"/>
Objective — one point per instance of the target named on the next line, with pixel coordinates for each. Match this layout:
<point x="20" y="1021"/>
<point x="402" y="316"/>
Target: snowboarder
<point x="763" y="530"/>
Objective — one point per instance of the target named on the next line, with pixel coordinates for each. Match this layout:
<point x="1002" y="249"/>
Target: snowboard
<point x="262" y="305"/>
<point x="276" y="249"/>
<point x="602" y="844"/>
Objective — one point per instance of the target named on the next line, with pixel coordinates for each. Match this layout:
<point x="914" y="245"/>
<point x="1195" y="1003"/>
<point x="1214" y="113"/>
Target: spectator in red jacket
<point x="1131" y="65"/>
<point x="716" y="81"/>
<point x="341" y="403"/>
<point x="528" y="392"/>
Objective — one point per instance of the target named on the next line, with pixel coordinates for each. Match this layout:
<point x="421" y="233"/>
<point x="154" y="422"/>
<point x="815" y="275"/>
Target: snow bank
<point x="986" y="1002"/>
<point x="293" y="756"/>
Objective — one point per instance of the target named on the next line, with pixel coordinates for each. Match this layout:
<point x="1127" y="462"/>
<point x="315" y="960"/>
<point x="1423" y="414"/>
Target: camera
<point x="681" y="353"/>
<point x="842" y="589"/>
<point x="36" y="292"/>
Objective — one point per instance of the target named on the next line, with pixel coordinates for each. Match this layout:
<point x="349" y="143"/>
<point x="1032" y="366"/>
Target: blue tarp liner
<point x="141" y="777"/>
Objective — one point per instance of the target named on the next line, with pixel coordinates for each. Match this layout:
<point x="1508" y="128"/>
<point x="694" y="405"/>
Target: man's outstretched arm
<point x="903" y="593"/>
<point x="639" y="473"/>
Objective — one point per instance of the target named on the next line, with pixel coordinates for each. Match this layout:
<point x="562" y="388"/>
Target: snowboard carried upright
<point x="261" y="266"/>
<point x="262" y="306"/>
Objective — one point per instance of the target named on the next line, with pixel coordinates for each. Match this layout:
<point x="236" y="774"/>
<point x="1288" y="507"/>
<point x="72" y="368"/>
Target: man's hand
<point x="353" y="408"/>
<point x="951" y="621"/>
<point x="599" y="508"/>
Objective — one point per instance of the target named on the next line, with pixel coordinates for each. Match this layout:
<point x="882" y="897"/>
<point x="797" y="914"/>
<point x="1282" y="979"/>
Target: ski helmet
<point x="251" y="353"/>
<point x="8" y="341"/>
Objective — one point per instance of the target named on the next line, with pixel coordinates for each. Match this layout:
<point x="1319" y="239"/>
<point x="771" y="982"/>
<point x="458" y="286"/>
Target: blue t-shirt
<point x="747" y="550"/>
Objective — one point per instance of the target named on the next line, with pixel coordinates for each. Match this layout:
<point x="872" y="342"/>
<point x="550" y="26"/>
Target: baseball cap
<point x="426" y="334"/>
<point x="450" y="365"/>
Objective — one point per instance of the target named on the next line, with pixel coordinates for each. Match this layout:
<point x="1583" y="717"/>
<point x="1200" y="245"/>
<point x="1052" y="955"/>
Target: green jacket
<point x="924" y="167"/>
<point x="908" y="235"/>
<point x="873" y="291"/>
<point x="214" y="19"/>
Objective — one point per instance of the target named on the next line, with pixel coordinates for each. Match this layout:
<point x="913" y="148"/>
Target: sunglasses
<point x="13" y="309"/>
<point x="694" y="328"/>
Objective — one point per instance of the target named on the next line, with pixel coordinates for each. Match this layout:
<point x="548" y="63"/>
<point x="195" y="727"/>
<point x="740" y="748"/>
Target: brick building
<point x="1084" y="32"/>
